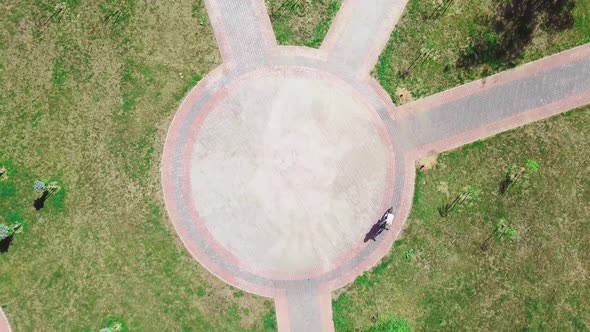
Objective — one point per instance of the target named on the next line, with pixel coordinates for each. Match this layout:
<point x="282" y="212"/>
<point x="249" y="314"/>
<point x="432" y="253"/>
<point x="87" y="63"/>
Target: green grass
<point x="14" y="210"/>
<point x="135" y="77"/>
<point x="322" y="28"/>
<point x="7" y="190"/>
<point x="529" y="280"/>
<point x="87" y="92"/>
<point x="269" y="320"/>
<point x="188" y="86"/>
<point x="428" y="49"/>
<point x="303" y="23"/>
<point x="60" y="75"/>
<point x="390" y="325"/>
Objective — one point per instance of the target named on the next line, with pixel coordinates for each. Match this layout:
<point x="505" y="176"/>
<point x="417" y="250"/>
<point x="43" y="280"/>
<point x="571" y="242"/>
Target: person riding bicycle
<point x="382" y="224"/>
<point x="387" y="219"/>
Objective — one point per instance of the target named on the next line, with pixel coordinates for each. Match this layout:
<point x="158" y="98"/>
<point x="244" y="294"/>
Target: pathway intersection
<point x="281" y="159"/>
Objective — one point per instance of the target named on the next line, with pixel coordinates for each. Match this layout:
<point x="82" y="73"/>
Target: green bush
<point x="533" y="165"/>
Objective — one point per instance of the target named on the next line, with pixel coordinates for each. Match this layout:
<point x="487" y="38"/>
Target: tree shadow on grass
<point x="39" y="203"/>
<point x="5" y="244"/>
<point x="504" y="37"/>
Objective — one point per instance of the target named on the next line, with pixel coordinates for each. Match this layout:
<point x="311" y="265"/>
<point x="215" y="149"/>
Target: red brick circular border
<point x="182" y="226"/>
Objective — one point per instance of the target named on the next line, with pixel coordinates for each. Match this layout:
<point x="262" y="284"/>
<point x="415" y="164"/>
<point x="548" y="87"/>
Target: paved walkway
<point x="242" y="29"/>
<point x="280" y="160"/>
<point x="504" y="101"/>
<point x="360" y="31"/>
<point x="4" y="326"/>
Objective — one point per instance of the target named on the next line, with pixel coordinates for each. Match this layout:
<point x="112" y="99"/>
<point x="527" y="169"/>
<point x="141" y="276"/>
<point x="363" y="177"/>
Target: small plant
<point x="533" y="165"/>
<point x="114" y="325"/>
<point x="501" y="231"/>
<point x="469" y="192"/>
<point x="498" y="227"/>
<point x="3" y="173"/>
<point x="515" y="175"/>
<point x="510" y="179"/>
<point x="408" y="254"/>
<point x="510" y="233"/>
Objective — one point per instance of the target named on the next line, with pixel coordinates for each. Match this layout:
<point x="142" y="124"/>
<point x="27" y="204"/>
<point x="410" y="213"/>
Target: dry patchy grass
<point x="87" y="90"/>
<point x="440" y="44"/>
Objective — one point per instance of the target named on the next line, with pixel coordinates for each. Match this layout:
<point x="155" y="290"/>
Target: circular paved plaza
<point x="283" y="172"/>
<point x="288" y="172"/>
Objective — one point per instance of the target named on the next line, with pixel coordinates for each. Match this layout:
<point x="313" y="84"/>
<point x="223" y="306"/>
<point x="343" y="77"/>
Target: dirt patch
<point x="403" y="95"/>
<point x="427" y="163"/>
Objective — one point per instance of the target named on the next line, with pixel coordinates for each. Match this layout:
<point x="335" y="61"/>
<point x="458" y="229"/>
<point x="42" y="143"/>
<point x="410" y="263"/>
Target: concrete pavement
<point x="504" y="101"/>
<point x="360" y="31"/>
<point x="4" y="326"/>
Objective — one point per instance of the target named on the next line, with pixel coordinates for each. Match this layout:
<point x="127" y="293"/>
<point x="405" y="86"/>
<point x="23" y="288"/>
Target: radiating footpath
<point x="281" y="159"/>
<point x="4" y="326"/>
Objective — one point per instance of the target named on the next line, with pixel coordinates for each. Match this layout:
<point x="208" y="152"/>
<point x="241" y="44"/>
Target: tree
<point x="501" y="231"/>
<point x="512" y="176"/>
<point x="469" y="192"/>
<point x="44" y="191"/>
<point x="5" y="232"/>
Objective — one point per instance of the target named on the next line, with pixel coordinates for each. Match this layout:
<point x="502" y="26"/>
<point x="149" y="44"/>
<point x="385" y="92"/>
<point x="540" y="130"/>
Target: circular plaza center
<point x="288" y="171"/>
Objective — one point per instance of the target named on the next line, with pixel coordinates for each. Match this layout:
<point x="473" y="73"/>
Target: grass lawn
<point x="87" y="91"/>
<point x="440" y="44"/>
<point x="533" y="275"/>
<point x="297" y="22"/>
